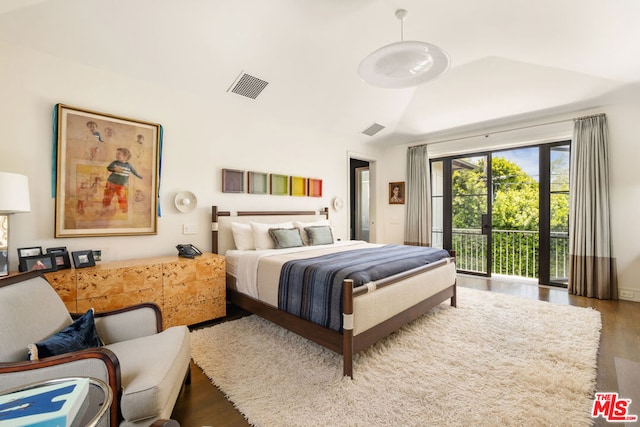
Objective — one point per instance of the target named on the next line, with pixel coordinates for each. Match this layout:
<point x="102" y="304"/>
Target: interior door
<point x="362" y="204"/>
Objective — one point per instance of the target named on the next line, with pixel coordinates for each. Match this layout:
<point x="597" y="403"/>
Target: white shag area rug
<point x="493" y="360"/>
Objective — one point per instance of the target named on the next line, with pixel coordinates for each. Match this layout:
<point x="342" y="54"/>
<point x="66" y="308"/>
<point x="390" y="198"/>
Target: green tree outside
<point x="515" y="208"/>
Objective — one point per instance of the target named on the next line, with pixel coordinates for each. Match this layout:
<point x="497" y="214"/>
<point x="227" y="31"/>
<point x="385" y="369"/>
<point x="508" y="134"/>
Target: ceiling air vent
<point x="248" y="85"/>
<point x="373" y="129"/>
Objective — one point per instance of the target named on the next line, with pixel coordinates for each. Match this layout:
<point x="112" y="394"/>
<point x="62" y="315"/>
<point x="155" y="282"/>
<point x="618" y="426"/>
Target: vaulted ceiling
<point x="511" y="59"/>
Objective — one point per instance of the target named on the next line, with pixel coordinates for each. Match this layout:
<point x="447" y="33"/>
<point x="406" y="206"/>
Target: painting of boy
<point x="100" y="190"/>
<point x="118" y="181"/>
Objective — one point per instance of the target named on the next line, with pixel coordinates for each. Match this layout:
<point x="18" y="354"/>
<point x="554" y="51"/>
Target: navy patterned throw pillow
<point x="80" y="335"/>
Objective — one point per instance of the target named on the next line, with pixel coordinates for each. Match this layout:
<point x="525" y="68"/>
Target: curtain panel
<point x="592" y="268"/>
<point x="417" y="230"/>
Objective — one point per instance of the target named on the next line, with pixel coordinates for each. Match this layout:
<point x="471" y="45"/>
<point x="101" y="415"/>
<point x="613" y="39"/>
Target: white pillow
<point x="242" y="236"/>
<point x="261" y="237"/>
<point x="303" y="232"/>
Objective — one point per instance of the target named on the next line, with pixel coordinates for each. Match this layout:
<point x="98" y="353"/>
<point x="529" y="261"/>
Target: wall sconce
<point x="338" y="204"/>
<point x="14" y="198"/>
<point x="185" y="201"/>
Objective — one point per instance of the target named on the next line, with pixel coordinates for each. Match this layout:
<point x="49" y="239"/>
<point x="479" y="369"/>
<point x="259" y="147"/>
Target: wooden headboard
<point x="222" y="238"/>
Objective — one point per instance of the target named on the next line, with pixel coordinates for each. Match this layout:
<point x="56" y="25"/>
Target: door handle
<point x="486" y="226"/>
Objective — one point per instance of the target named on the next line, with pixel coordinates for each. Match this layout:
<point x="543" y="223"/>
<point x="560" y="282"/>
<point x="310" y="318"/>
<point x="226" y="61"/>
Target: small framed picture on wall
<point x="396" y="193"/>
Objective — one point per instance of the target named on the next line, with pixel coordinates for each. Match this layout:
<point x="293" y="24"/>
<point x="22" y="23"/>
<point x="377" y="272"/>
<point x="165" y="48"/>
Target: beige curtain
<point x="417" y="230"/>
<point x="592" y="269"/>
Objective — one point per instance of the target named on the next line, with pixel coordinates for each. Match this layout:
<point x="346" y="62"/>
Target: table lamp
<point x="14" y="198"/>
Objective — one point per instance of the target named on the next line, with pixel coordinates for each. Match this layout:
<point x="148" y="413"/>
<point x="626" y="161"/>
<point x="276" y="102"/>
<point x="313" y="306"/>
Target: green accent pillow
<point x="286" y="237"/>
<point x="319" y="235"/>
<point x="79" y="335"/>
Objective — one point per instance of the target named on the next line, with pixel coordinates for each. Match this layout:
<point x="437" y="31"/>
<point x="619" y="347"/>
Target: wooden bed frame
<point x="345" y="343"/>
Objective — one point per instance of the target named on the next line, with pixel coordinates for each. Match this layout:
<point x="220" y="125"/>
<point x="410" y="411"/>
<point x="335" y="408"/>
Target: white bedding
<point x="244" y="265"/>
<point x="257" y="274"/>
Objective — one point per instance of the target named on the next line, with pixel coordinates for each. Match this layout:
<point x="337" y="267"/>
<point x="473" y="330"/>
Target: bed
<point x="368" y="311"/>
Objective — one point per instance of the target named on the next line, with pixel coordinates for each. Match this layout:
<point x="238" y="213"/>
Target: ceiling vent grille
<point x="248" y="85"/>
<point x="373" y="129"/>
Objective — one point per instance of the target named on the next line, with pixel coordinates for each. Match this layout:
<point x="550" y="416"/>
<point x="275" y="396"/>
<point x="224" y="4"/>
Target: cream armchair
<point x="144" y="366"/>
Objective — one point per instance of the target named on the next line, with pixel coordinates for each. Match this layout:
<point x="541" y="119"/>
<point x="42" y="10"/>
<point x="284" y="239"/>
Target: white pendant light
<point x="404" y="63"/>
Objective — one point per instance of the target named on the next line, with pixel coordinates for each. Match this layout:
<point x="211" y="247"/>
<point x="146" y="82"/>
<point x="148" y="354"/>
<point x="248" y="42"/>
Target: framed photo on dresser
<point x="82" y="259"/>
<point x="43" y="262"/>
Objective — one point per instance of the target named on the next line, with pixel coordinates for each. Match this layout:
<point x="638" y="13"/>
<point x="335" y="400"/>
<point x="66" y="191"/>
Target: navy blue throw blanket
<point x="312" y="288"/>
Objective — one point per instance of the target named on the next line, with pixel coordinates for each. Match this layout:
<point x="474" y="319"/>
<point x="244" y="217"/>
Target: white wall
<point x="391" y="217"/>
<point x="201" y="136"/>
<point x="623" y="112"/>
<point x="624" y="135"/>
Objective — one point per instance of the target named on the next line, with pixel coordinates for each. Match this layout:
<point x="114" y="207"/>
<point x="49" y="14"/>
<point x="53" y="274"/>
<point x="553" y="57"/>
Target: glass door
<point x="554" y="214"/>
<point x="505" y="212"/>
<point x="470" y="214"/>
<point x="515" y="212"/>
<point x="559" y="215"/>
<point x="438" y="198"/>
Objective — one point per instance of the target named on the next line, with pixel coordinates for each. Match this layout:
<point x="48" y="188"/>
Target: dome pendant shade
<point x="404" y="64"/>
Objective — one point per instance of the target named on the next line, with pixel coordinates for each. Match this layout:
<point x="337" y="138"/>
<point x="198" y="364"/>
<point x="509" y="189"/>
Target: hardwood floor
<point x="202" y="404"/>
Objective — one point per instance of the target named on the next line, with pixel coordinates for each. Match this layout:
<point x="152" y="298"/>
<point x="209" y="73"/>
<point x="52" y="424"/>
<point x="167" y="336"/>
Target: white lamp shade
<point x="404" y="64"/>
<point x="14" y="193"/>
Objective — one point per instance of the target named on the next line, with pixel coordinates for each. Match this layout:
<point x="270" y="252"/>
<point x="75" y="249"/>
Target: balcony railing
<point x="514" y="252"/>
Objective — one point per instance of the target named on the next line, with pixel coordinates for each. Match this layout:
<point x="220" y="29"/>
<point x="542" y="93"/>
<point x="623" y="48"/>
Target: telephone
<point x="188" y="251"/>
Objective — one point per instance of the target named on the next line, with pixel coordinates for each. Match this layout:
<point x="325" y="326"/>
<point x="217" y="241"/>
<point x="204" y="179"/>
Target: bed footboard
<point x="373" y="311"/>
<point x="346" y="342"/>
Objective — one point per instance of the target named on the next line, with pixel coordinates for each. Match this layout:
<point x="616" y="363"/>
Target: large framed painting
<point x="107" y="174"/>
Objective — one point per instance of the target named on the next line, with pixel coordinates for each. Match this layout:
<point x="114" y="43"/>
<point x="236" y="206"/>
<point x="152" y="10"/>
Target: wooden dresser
<point x="188" y="291"/>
